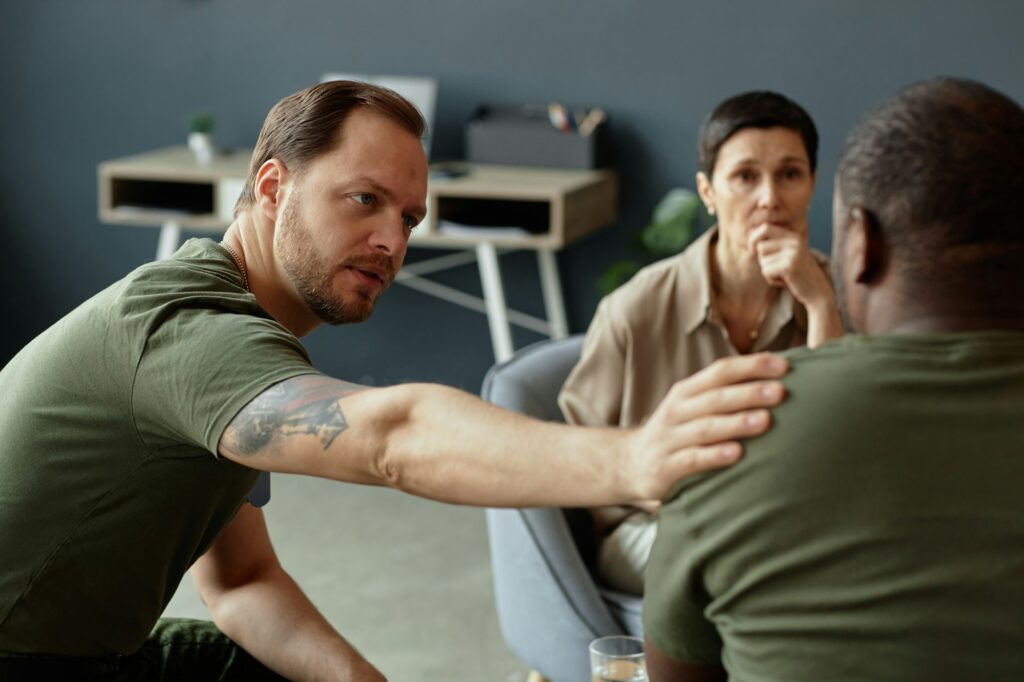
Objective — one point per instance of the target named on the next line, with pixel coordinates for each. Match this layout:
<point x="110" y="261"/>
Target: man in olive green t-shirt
<point x="877" y="532"/>
<point x="135" y="427"/>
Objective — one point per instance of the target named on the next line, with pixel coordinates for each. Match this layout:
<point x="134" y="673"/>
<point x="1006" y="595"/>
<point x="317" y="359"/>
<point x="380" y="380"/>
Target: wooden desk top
<point x="579" y="201"/>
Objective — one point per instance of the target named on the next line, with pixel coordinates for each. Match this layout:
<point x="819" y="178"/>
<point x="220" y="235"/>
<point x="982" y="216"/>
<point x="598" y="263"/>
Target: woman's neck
<point x="740" y="295"/>
<point x="736" y="274"/>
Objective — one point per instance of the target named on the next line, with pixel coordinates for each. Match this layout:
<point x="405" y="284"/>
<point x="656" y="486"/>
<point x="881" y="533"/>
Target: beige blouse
<point x="659" y="328"/>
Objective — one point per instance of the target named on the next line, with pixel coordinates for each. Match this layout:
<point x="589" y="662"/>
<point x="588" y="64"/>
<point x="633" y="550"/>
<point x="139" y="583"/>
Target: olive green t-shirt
<point x="875" y="533"/>
<point x="110" y="487"/>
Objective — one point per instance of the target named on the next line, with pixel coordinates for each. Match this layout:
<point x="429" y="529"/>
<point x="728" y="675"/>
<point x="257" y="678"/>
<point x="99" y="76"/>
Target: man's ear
<point x="865" y="248"/>
<point x="268" y="187"/>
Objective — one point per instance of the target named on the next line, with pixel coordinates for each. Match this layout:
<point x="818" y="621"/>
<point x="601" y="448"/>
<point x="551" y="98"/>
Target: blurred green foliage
<point x="674" y="222"/>
<point x="201" y="122"/>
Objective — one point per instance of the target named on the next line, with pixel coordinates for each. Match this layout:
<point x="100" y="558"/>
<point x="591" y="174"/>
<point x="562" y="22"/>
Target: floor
<point x="407" y="581"/>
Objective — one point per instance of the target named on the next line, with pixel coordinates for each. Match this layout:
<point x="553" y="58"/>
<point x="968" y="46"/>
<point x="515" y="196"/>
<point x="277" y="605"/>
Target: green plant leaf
<point x="617" y="274"/>
<point x="201" y="122"/>
<point x="673" y="222"/>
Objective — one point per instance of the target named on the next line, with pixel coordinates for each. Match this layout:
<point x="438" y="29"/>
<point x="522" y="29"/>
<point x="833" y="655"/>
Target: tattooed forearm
<point x="305" y="405"/>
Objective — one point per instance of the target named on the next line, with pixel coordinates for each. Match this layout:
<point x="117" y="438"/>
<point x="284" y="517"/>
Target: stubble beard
<point x="312" y="276"/>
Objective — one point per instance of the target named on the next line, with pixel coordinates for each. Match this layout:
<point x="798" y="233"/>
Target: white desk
<point x="167" y="189"/>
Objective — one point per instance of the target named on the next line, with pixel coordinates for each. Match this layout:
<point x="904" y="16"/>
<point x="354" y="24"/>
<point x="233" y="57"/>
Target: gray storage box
<point x="525" y="137"/>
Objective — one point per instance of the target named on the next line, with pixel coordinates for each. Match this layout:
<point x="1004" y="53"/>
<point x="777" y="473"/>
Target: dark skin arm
<point x="662" y="668"/>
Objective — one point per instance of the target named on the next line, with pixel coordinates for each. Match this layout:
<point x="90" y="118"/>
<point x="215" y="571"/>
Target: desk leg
<point x="494" y="298"/>
<point x="551" y="285"/>
<point x="170" y="239"/>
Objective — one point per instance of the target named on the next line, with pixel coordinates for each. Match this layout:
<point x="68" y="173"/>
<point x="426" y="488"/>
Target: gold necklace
<point x="756" y="331"/>
<point x="238" y="262"/>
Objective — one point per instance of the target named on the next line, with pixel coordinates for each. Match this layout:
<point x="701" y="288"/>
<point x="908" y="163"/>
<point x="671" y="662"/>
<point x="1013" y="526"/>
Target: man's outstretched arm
<point x="258" y="605"/>
<point x="445" y="444"/>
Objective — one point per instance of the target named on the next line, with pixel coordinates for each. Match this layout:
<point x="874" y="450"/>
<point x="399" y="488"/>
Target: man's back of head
<point x="933" y="175"/>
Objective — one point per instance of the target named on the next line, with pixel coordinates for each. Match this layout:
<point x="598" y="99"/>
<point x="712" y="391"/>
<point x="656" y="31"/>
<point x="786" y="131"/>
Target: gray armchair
<point x="549" y="603"/>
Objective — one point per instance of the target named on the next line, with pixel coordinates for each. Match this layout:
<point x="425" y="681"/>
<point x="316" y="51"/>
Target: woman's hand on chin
<point x="786" y="261"/>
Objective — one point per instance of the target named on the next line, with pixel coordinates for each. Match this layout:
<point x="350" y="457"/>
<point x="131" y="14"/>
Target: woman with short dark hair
<point x="750" y="283"/>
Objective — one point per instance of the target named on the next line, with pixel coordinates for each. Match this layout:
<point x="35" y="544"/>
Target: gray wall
<point x="88" y="80"/>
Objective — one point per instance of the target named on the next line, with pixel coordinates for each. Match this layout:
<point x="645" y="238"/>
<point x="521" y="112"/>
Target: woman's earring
<point x="711" y="210"/>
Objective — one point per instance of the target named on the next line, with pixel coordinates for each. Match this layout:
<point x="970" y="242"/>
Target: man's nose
<point x="389" y="236"/>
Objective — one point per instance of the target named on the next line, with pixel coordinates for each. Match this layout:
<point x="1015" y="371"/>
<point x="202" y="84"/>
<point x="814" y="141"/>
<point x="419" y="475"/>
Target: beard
<point x="313" y="277"/>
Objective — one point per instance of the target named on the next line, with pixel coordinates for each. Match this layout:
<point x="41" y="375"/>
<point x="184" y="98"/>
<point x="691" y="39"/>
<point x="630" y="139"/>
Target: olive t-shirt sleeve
<point x="201" y="366"/>
<point x="675" y="598"/>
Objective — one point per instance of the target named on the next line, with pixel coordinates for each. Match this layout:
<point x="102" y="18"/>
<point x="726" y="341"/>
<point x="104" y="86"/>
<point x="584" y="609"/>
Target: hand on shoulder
<point x="697" y="426"/>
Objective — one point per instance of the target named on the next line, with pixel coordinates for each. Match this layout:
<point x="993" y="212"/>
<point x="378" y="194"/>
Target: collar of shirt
<point x="695" y="280"/>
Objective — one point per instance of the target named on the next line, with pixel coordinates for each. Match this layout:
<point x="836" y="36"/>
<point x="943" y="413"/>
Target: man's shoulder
<point x="200" y="280"/>
<point x="841" y="380"/>
<point x="853" y="398"/>
<point x="868" y="358"/>
<point x="198" y="265"/>
<point x="850" y="353"/>
<point x="834" y="392"/>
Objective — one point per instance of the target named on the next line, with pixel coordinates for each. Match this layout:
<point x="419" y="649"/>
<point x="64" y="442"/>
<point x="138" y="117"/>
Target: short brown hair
<point x="305" y="125"/>
<point x="757" y="109"/>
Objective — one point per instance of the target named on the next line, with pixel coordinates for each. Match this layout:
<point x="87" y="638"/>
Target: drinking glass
<point x="617" y="659"/>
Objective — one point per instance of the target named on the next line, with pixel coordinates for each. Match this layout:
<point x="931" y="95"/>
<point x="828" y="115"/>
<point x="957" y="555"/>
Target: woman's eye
<point x="794" y="174"/>
<point x="745" y="176"/>
<point x="364" y="199"/>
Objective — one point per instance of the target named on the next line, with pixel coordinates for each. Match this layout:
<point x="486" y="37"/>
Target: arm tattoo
<point x="303" y="406"/>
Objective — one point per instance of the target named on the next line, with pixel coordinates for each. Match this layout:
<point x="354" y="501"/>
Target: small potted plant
<point x="200" y="136"/>
<point x="676" y="218"/>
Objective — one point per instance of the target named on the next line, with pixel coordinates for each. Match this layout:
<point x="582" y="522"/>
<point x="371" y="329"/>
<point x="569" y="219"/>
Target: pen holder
<point x="525" y="136"/>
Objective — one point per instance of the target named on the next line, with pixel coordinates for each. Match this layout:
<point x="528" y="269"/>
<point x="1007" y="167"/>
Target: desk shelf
<point x="559" y="206"/>
<point x="168" y="189"/>
<point x="168" y="185"/>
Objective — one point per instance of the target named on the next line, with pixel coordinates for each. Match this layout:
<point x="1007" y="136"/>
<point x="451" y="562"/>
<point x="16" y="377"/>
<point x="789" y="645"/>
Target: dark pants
<point x="177" y="649"/>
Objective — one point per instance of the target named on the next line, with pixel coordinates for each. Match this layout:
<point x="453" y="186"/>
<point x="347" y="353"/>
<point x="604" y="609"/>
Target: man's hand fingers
<point x="728" y="371"/>
<point x="716" y="429"/>
<point x="726" y="400"/>
<point x="710" y="443"/>
<point x="698" y="445"/>
<point x="697" y="459"/>
<point x="698" y="422"/>
<point x="649" y="506"/>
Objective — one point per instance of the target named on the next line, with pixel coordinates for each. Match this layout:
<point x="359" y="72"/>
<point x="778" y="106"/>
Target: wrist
<point x="625" y="481"/>
<point x="819" y="296"/>
<point x="823" y="323"/>
<point x="823" y="307"/>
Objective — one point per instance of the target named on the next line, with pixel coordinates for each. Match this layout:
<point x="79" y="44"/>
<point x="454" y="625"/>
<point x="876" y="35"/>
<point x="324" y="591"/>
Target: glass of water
<point x="617" y="659"/>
